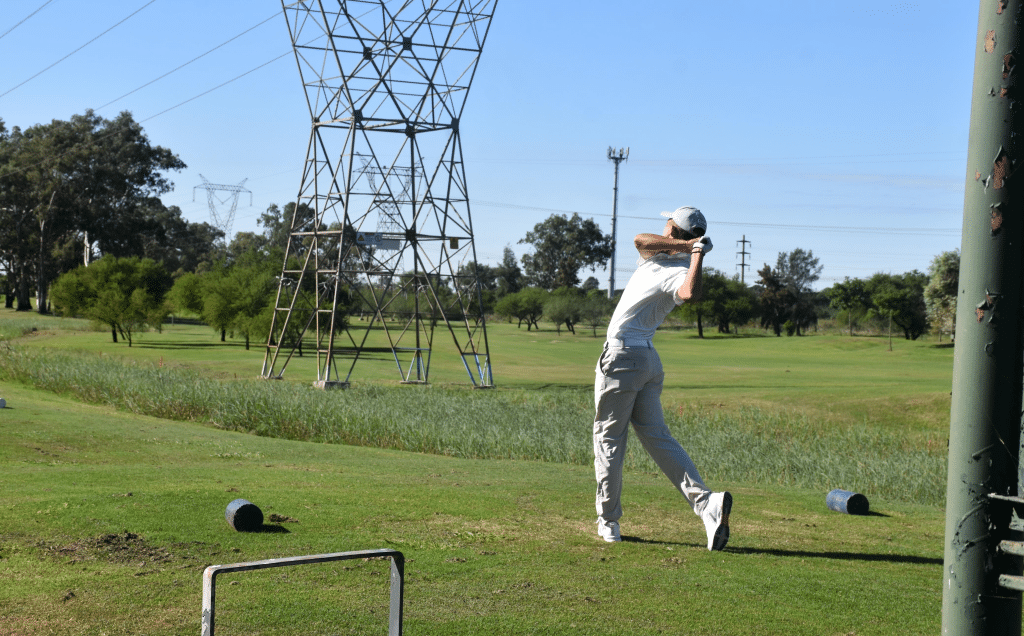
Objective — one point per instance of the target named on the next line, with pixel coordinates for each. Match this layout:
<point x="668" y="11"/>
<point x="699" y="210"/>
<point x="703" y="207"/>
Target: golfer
<point x="629" y="376"/>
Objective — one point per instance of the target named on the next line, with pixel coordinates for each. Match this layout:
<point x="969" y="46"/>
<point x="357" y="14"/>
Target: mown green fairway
<point x="109" y="518"/>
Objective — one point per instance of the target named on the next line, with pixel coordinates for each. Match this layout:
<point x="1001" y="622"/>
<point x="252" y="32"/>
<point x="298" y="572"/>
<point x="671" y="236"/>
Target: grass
<point x="832" y="379"/>
<point x="750" y="445"/>
<point x="488" y="493"/>
<point x="110" y="518"/>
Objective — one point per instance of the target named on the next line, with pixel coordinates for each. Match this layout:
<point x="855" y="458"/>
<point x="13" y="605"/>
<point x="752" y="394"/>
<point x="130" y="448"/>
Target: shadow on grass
<point x="268" y="529"/>
<point x="188" y="345"/>
<point x="841" y="556"/>
<point x="559" y="386"/>
<point x="803" y="554"/>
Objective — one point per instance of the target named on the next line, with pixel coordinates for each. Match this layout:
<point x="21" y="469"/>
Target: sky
<point x="840" y="128"/>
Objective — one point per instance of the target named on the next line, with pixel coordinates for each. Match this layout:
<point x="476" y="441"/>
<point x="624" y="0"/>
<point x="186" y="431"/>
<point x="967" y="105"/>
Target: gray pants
<point x="628" y="389"/>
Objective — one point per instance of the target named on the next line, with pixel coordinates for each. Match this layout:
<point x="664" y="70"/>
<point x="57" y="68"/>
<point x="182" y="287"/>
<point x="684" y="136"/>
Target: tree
<point x="733" y="305"/>
<point x="237" y="296"/>
<point x="186" y="294"/>
<point x="69" y="184"/>
<point x="595" y="310"/>
<point x="798" y="270"/>
<point x="166" y="237"/>
<point x="850" y="296"/>
<point x="466" y="279"/>
<point x="562" y="247"/>
<point x="125" y="294"/>
<point x="776" y="299"/>
<point x="900" y="298"/>
<point x="256" y="285"/>
<point x="563" y="308"/>
<point x="276" y="224"/>
<point x="220" y="298"/>
<point x="508" y="276"/>
<point x="725" y="300"/>
<point x="526" y="305"/>
<point x="941" y="291"/>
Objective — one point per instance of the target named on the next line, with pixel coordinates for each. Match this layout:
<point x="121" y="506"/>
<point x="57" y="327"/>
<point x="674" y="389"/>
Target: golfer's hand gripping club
<point x="703" y="244"/>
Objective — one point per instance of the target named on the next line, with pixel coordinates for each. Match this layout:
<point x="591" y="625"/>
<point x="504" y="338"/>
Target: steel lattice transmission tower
<point x="382" y="222"/>
<point x="222" y="221"/>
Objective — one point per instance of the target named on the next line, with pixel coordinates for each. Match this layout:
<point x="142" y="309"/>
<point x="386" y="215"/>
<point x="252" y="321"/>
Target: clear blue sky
<point x="836" y="127"/>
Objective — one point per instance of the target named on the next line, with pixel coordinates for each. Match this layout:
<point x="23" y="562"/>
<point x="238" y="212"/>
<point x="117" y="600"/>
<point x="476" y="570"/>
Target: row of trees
<point x="913" y="301"/>
<point x="564" y="307"/>
<point x="73" y="190"/>
<point x="234" y="294"/>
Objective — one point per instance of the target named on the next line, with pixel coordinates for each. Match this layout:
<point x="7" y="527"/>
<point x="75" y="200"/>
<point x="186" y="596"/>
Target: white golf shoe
<point x="716" y="519"/>
<point x="608" y="530"/>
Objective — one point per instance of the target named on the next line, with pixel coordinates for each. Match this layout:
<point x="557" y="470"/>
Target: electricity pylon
<point x="382" y="223"/>
<point x="222" y="220"/>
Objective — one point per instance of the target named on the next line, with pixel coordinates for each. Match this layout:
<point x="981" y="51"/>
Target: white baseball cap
<point x="688" y="219"/>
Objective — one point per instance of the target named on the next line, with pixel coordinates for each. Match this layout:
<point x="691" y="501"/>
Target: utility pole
<point x="982" y="582"/>
<point x="618" y="156"/>
<point x="743" y="258"/>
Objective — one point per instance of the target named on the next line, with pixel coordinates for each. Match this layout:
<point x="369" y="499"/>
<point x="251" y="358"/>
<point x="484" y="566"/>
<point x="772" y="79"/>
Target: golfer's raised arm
<point x="693" y="287"/>
<point x="650" y="244"/>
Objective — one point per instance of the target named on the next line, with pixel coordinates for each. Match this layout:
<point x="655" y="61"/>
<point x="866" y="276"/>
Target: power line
<point x="237" y="77"/>
<point x="10" y="90"/>
<point x="190" y="61"/>
<point x="25" y="19"/>
<point x="823" y="228"/>
<point x="166" y="110"/>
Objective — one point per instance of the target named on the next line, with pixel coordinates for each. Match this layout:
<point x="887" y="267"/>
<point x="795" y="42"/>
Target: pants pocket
<point x="613" y="362"/>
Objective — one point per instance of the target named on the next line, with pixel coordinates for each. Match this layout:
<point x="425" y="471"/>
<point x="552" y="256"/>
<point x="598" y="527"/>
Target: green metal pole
<point x="985" y="416"/>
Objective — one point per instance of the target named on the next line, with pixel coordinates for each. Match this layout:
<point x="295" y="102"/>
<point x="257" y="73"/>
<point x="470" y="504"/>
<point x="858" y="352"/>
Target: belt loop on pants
<point x="628" y="342"/>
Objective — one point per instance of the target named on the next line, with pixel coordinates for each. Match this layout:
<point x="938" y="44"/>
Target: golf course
<point x="117" y="464"/>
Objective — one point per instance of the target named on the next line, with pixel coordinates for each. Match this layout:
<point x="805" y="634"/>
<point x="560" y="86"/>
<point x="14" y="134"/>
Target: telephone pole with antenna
<point x="743" y="254"/>
<point x="618" y="156"/>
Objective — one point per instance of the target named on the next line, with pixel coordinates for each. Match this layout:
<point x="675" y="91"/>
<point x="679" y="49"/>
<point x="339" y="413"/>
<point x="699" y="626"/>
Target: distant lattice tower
<point x="222" y="220"/>
<point x="382" y="226"/>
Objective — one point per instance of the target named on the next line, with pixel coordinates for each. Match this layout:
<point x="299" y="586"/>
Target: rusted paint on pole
<point x="985" y="416"/>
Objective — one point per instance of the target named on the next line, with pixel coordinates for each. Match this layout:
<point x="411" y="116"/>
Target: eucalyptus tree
<point x="941" y="291"/>
<point x="562" y="246"/>
<point x="87" y="181"/>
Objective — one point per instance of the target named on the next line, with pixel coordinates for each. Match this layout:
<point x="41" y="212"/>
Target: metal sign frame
<point x="397" y="581"/>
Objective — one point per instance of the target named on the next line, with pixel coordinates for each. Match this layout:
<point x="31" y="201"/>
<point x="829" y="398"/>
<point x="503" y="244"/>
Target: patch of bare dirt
<point x="128" y="548"/>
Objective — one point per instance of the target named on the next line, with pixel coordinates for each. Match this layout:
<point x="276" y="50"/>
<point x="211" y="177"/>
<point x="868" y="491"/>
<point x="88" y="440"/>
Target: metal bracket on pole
<point x="397" y="580"/>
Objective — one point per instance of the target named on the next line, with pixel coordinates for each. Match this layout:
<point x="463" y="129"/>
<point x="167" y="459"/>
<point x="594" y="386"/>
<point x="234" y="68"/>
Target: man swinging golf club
<point x="629" y="376"/>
